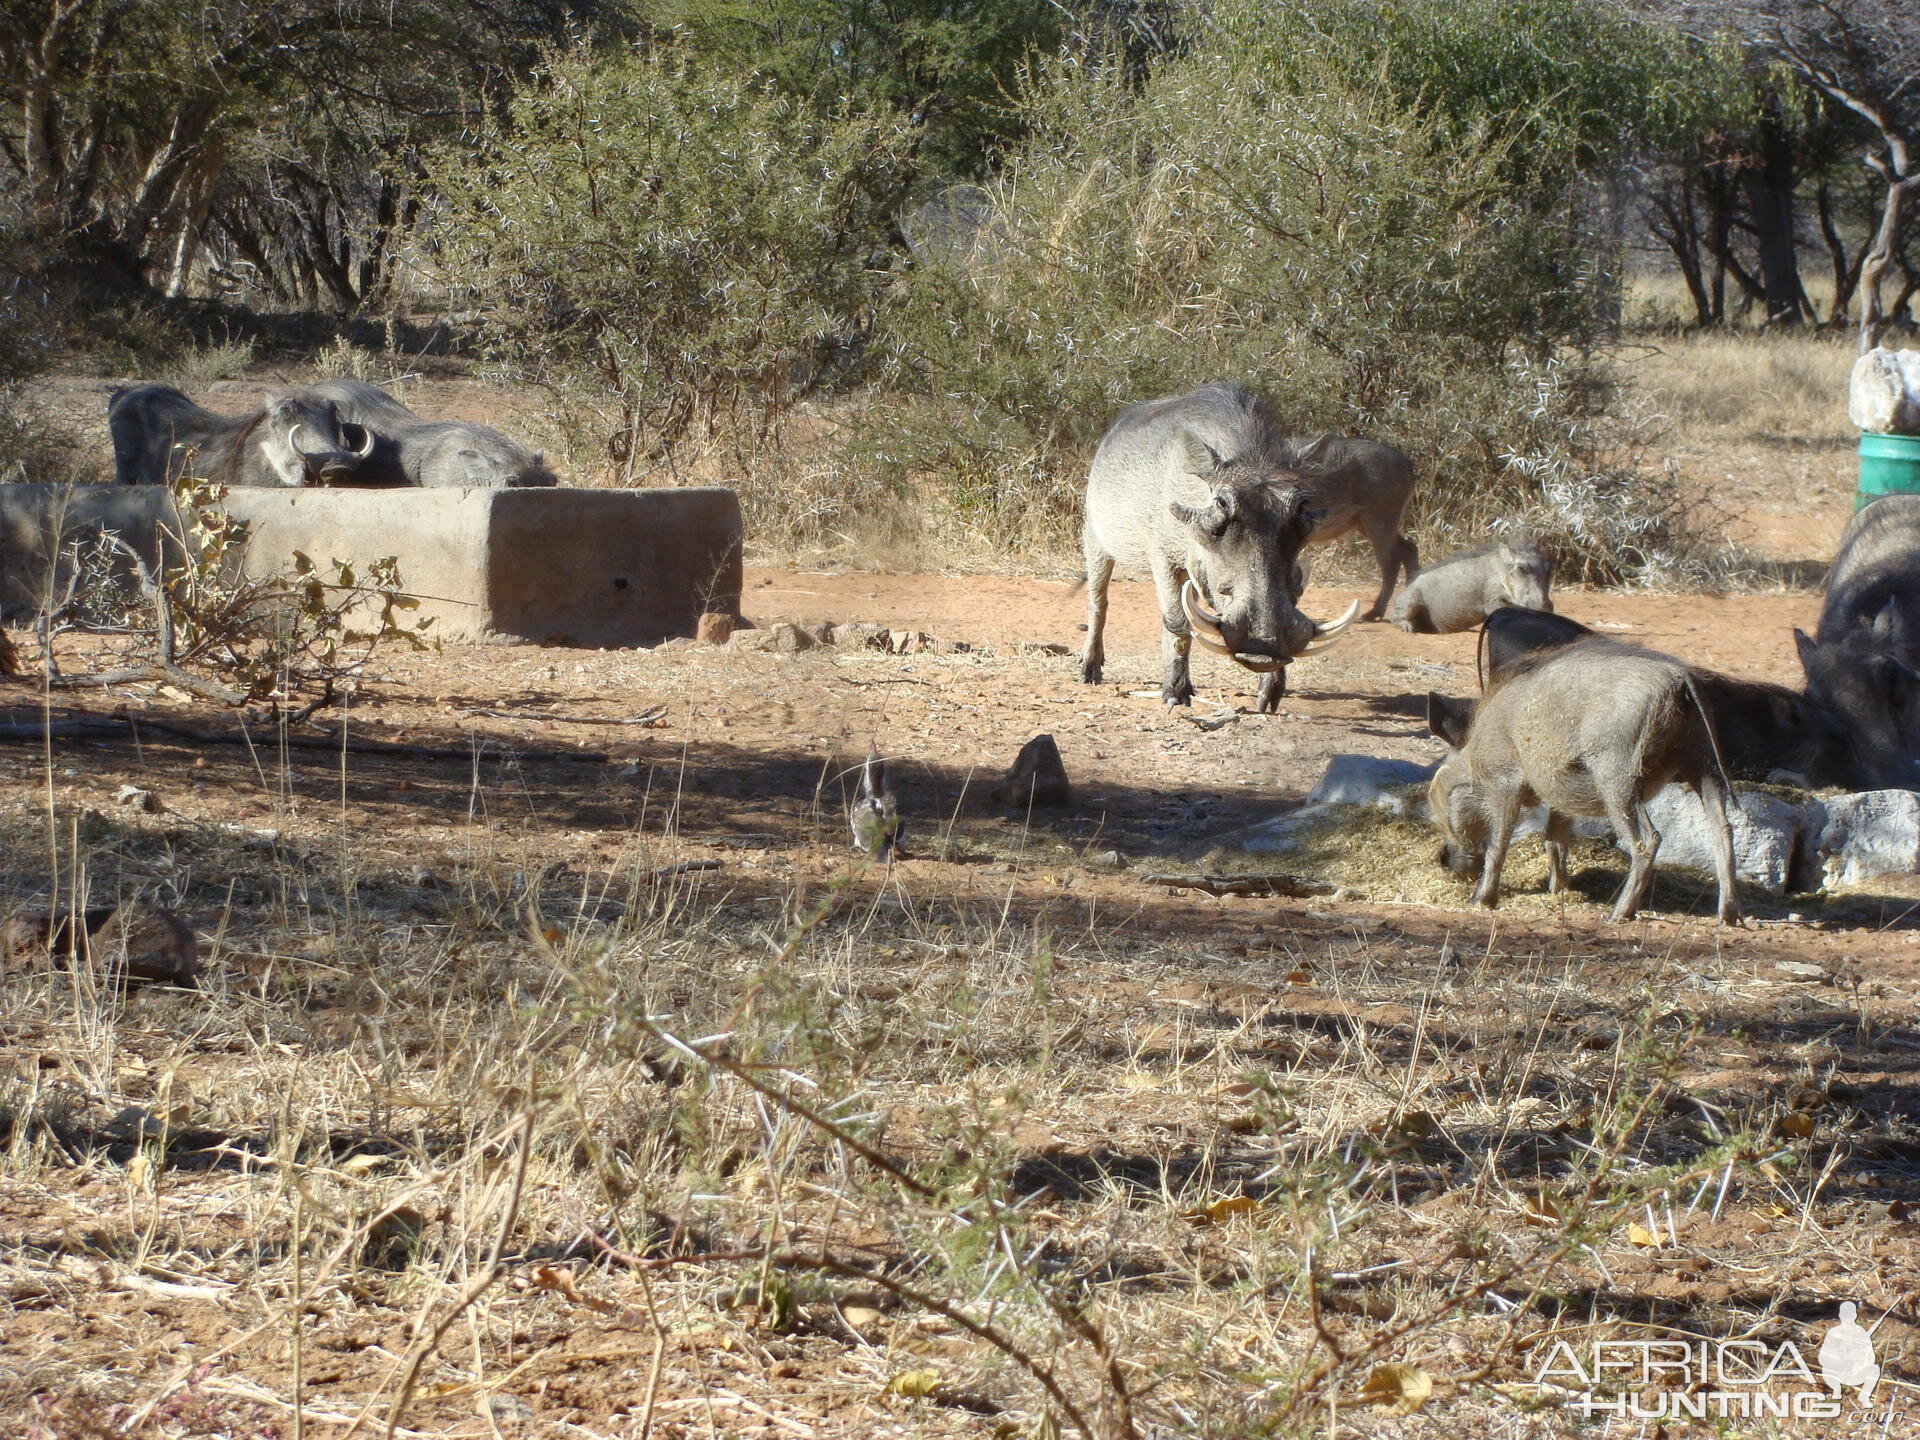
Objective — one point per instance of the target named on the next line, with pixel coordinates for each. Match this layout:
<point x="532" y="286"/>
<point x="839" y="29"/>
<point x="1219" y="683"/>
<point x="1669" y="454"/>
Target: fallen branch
<point x="651" y="717"/>
<point x="1276" y="883"/>
<point x="160" y="672"/>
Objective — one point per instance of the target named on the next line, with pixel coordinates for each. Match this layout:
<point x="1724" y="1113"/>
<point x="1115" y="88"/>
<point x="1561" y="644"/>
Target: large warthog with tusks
<point x="410" y="450"/>
<point x="1863" y="662"/>
<point x="1204" y="493"/>
<point x="1592" y="728"/>
<point x="293" y="439"/>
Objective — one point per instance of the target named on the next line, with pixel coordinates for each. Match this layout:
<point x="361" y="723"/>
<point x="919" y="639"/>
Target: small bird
<point x="874" y="814"/>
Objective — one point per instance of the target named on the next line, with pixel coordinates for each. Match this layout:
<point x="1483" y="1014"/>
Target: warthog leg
<point x="1503" y="811"/>
<point x="1176" y="641"/>
<point x="1714" y="801"/>
<point x="1643" y="845"/>
<point x="1093" y="655"/>
<point x="1559" y="835"/>
<point x="1393" y="552"/>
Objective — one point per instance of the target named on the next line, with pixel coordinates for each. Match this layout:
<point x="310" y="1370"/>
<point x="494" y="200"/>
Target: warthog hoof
<point x="1272" y="690"/>
<point x="1089" y="674"/>
<point x="1181" y="694"/>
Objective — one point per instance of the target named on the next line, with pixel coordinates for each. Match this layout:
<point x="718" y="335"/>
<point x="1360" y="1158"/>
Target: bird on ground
<point x="873" y="815"/>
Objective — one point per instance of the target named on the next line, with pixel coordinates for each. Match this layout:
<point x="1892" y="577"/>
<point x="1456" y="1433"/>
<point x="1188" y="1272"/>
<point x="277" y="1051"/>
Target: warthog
<point x="1864" y="660"/>
<point x="1460" y="592"/>
<point x="294" y="439"/>
<point x="1204" y="493"/>
<point x="1593" y="728"/>
<point x="1361" y="485"/>
<point x="432" y="453"/>
<point x="1766" y="732"/>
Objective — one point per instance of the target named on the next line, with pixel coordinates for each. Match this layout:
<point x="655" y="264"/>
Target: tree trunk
<point x="1769" y="187"/>
<point x="1677" y="225"/>
<point x="1846" y="269"/>
<point x="1886" y="241"/>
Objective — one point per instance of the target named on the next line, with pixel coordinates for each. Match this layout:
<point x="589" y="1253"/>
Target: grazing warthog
<point x="294" y="439"/>
<point x="1203" y="492"/>
<point x="1593" y="728"/>
<point x="1460" y="592"/>
<point x="1361" y="485"/>
<point x="432" y="453"/>
<point x="1766" y="732"/>
<point x="1864" y="660"/>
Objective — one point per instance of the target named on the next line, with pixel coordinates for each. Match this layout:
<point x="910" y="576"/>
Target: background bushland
<point x="894" y="264"/>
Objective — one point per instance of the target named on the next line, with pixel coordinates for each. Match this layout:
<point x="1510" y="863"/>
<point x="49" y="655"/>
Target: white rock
<point x="1770" y="835"/>
<point x="1883" y="396"/>
<point x="1368" y="780"/>
<point x="1875" y="832"/>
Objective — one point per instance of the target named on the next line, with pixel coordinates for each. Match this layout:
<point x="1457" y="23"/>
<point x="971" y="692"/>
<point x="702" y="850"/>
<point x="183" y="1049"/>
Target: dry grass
<point x="604" y="1150"/>
<point x="1784" y="388"/>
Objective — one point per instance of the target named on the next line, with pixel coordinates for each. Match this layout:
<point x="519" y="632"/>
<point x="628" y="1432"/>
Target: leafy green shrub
<point x="668" y="247"/>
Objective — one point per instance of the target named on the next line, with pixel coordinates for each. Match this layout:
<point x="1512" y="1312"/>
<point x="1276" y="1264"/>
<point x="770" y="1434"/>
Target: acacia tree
<point x="1864" y="57"/>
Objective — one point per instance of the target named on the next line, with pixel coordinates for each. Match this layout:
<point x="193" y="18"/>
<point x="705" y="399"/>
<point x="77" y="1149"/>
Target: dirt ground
<point x="369" y="914"/>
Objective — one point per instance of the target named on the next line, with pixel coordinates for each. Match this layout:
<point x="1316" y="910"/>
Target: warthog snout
<point x="331" y="461"/>
<point x="1463" y="863"/>
<point x="1232" y="637"/>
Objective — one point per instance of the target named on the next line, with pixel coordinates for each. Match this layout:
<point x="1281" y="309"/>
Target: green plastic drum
<point x="1889" y="465"/>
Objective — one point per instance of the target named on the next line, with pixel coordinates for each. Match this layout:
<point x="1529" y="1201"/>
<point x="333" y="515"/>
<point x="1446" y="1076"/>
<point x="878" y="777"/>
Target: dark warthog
<point x="1766" y="732"/>
<point x="432" y="453"/>
<point x="1864" y="660"/>
<point x="1593" y="728"/>
<point x="1203" y="492"/>
<point x="1461" y="591"/>
<point x="294" y="439"/>
<point x="1361" y="485"/>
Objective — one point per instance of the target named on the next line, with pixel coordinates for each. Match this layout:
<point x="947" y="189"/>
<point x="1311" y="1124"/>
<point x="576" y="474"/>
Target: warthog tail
<point x="1713" y="738"/>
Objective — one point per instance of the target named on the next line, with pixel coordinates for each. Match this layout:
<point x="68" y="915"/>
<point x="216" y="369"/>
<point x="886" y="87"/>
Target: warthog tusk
<point x="293" y="439"/>
<point x="363" y="451"/>
<point x="1203" y="620"/>
<point x="1325" y="631"/>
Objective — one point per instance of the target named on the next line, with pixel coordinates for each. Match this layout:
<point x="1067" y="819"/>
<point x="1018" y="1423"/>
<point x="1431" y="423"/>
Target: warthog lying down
<point x="1593" y="728"/>
<point x="1362" y="486"/>
<point x="1461" y="591"/>
<point x="431" y="453"/>
<point x="294" y="439"/>
<point x="1766" y="732"/>
<point x="1203" y="492"/>
<point x="1864" y="660"/>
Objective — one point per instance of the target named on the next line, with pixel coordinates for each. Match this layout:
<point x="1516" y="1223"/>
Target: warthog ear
<point x="1201" y="458"/>
<point x="1890" y="626"/>
<point x="1803" y="643"/>
<point x="1449" y="719"/>
<point x="1306" y="454"/>
<point x="1210" y="519"/>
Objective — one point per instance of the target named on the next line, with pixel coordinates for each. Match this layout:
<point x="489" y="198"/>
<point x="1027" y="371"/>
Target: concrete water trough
<point x="601" y="568"/>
